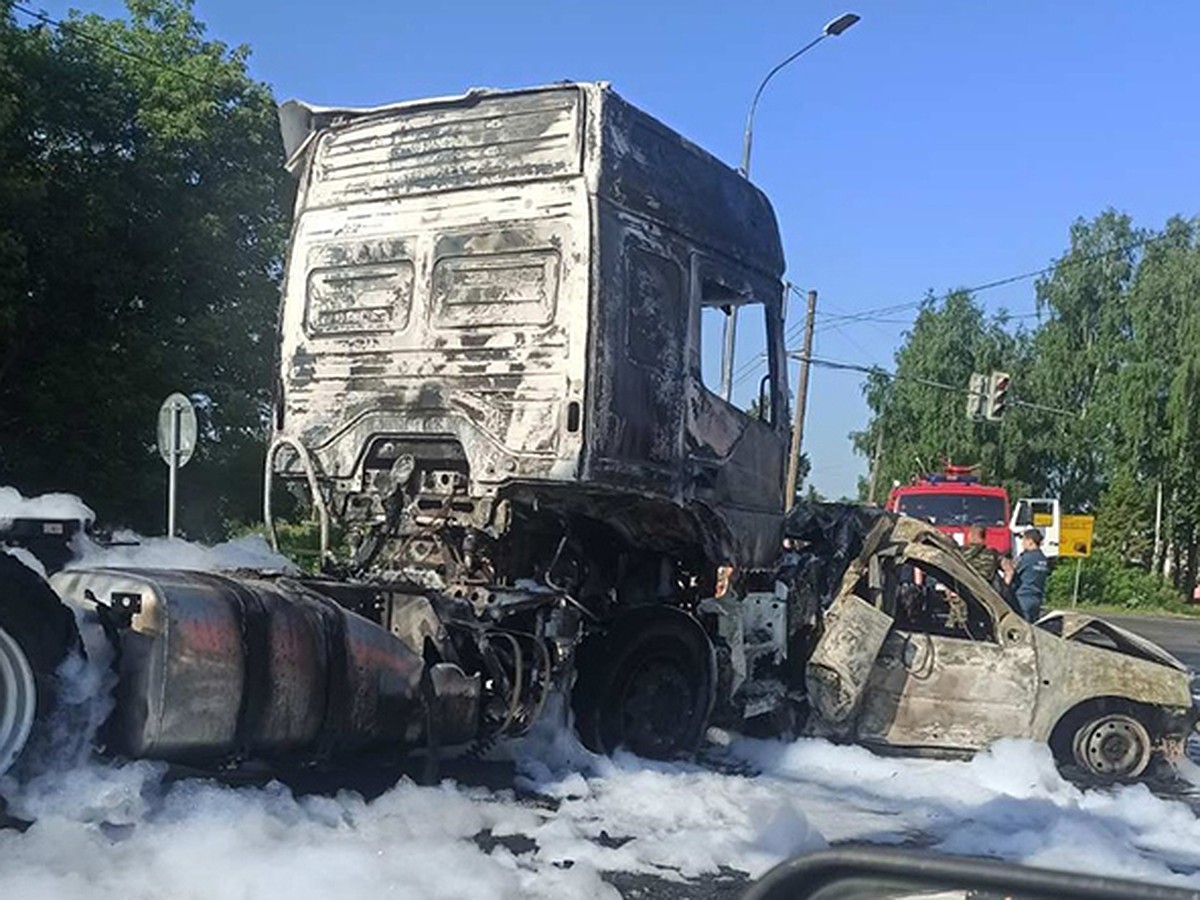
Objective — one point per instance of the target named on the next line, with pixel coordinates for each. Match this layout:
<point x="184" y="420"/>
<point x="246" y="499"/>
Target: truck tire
<point x="646" y="685"/>
<point x="36" y="633"/>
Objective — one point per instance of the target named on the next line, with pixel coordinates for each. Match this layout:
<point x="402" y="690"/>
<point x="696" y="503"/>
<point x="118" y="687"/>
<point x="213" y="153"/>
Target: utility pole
<point x="876" y="459"/>
<point x="1158" y="515"/>
<point x="801" y="403"/>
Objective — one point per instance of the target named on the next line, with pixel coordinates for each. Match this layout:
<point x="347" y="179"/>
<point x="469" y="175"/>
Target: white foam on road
<point x="119" y="832"/>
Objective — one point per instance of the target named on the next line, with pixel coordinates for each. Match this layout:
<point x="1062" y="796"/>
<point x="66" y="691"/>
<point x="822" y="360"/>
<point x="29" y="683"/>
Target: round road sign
<point x="177" y="408"/>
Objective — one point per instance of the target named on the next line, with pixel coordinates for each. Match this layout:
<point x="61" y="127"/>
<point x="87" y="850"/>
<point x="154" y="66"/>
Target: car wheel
<point x="647" y="685"/>
<point x="1113" y="747"/>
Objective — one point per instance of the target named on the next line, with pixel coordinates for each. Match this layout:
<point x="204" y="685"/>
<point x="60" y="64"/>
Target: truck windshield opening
<point x="953" y="509"/>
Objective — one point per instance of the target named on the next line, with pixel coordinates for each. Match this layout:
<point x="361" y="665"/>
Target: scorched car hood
<point x="1074" y="626"/>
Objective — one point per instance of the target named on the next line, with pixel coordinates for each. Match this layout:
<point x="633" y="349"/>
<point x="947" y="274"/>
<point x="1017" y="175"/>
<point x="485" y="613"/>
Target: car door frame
<point x="933" y="692"/>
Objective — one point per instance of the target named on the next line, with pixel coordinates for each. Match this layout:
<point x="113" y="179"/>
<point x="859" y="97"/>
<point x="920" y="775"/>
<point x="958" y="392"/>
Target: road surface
<point x="1178" y="635"/>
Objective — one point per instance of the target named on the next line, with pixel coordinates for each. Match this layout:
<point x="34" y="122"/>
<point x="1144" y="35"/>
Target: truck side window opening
<point x="712" y="334"/>
<point x="717" y="303"/>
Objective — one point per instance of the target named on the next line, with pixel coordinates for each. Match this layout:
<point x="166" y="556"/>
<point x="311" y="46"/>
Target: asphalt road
<point x="1178" y="635"/>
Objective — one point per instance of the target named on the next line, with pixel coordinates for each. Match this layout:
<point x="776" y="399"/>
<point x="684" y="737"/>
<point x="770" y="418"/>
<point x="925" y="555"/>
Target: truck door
<point x="736" y="447"/>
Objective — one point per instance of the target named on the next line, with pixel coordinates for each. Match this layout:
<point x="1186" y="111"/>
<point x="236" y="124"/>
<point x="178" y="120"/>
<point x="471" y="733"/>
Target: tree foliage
<point x="143" y="214"/>
<point x="919" y="415"/>
<point x="1116" y="351"/>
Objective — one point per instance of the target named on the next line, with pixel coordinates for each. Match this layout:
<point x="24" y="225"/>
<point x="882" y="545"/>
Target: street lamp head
<point x="832" y="29"/>
<point x="840" y="24"/>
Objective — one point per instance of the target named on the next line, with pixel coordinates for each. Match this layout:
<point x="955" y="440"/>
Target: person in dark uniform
<point x="1029" y="576"/>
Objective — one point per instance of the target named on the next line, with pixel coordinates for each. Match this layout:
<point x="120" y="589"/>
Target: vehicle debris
<point x="920" y="654"/>
<point x="490" y="381"/>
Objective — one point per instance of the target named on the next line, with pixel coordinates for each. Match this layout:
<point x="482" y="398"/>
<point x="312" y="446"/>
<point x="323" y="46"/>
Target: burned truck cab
<point x="500" y="320"/>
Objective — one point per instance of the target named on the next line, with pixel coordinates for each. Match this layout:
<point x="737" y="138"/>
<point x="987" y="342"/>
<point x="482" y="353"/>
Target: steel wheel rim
<point x="1116" y="746"/>
<point x="18" y="700"/>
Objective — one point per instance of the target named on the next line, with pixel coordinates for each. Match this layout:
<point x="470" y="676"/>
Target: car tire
<point x="1112" y="746"/>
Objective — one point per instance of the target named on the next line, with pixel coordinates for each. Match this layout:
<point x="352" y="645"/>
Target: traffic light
<point x="997" y="396"/>
<point x="976" y="395"/>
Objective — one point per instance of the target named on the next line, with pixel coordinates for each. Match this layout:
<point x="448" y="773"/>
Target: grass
<point x="1181" y="610"/>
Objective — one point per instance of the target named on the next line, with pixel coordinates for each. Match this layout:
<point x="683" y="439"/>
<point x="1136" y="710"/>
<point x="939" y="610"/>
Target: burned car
<point x="919" y="654"/>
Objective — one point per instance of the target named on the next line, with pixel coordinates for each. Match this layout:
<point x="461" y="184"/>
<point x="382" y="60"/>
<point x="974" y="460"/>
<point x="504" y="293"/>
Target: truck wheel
<point x="18" y="700"/>
<point x="1112" y="746"/>
<point x="36" y="633"/>
<point x="647" y="685"/>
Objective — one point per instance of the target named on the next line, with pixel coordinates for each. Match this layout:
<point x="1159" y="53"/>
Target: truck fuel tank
<point x="215" y="666"/>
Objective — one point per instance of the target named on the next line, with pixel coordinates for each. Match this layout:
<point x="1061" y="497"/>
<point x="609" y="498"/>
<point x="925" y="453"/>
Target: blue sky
<point x="933" y="145"/>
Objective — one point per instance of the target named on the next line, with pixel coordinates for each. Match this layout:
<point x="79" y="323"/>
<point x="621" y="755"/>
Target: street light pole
<point x="831" y="29"/>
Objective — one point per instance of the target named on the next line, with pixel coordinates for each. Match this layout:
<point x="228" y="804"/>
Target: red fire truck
<point x="954" y="500"/>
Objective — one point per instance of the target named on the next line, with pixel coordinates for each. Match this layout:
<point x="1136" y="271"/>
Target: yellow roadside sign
<point x="1075" y="537"/>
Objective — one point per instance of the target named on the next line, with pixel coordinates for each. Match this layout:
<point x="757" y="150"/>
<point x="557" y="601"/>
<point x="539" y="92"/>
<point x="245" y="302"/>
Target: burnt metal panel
<point x="483" y="141"/>
<point x="654" y="173"/>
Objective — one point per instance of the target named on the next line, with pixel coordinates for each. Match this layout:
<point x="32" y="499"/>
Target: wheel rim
<point x="18" y="700"/>
<point x="1114" y="746"/>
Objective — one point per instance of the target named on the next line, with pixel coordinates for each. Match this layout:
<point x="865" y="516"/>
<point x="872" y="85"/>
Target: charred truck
<point x="489" y="390"/>
<point x="491" y="395"/>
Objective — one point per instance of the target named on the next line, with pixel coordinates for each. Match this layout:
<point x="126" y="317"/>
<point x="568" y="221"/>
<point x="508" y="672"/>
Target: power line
<point x="953" y="388"/>
<point x="1001" y="282"/>
<point x="833" y="324"/>
<point x="67" y="28"/>
<point x="876" y="314"/>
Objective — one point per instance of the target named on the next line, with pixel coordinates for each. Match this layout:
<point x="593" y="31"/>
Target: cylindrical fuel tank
<point x="214" y="665"/>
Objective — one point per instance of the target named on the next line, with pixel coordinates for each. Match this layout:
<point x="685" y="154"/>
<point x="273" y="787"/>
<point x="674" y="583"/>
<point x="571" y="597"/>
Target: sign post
<point x="176" y="442"/>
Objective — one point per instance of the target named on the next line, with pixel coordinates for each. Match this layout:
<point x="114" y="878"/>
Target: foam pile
<point x="132" y="550"/>
<point x="109" y="831"/>
<point x="47" y="506"/>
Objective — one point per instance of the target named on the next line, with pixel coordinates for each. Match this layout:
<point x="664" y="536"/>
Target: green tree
<point x="143" y="214"/>
<point x="1116" y="352"/>
<point x="918" y="414"/>
<point x="1077" y="354"/>
<point x="1158" y="395"/>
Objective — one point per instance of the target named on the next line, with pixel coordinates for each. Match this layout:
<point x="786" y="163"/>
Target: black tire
<point x="34" y="621"/>
<point x="1107" y="740"/>
<point x="646" y="685"/>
